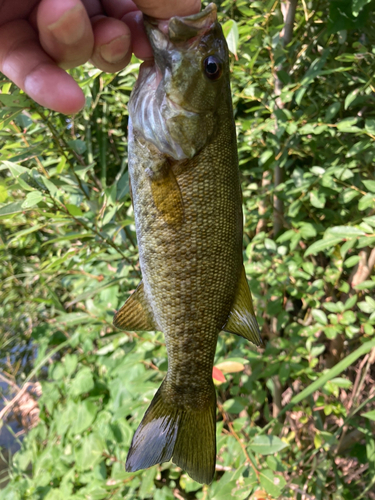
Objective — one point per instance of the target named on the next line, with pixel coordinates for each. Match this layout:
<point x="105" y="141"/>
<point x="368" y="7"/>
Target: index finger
<point x="23" y="61"/>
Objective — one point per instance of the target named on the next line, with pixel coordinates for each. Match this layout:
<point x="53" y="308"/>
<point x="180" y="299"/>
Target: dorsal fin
<point x="242" y="320"/>
<point x="135" y="314"/>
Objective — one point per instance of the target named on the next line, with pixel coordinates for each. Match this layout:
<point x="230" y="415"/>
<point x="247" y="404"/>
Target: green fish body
<point x="186" y="194"/>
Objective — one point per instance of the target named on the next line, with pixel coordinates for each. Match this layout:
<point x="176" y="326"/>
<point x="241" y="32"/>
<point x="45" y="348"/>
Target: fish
<point x="186" y="194"/>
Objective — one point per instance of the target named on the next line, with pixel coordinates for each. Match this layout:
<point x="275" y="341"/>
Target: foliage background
<point x="296" y="417"/>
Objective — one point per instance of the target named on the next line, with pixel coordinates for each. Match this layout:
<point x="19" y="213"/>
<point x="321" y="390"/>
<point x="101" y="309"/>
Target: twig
<point x="224" y="468"/>
<point x="346" y="441"/>
<point x="88" y="228"/>
<point x="16" y="398"/>
<point x="151" y="365"/>
<point x="288" y="8"/>
<point x="9" y="382"/>
<point x="364" y="267"/>
<point x="277" y="392"/>
<point x="39" y="163"/>
<point x="176" y="494"/>
<point x="248" y="459"/>
<point x="305" y="496"/>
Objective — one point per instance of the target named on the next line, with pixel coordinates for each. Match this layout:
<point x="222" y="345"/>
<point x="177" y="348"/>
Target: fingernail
<point x="70" y="28"/>
<point x="115" y="50"/>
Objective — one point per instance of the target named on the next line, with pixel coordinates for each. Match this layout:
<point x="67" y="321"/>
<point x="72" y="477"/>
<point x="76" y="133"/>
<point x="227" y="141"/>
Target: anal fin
<point x="242" y="320"/>
<point x="135" y="314"/>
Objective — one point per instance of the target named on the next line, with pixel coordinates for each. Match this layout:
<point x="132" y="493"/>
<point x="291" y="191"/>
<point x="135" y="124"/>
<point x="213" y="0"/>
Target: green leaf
<point x="74" y="210"/>
<point x="235" y="405"/>
<point x="73" y="318"/>
<point x="319" y="316"/>
<point x="370" y="126"/>
<point x="369" y="414"/>
<point x="334" y="307"/>
<point x="83" y="382"/>
<point x="78" y="146"/>
<point x="272" y="484"/>
<point x="350" y="98"/>
<point x="266" y="445"/>
<point x="317" y="199"/>
<point x="270" y="245"/>
<point x="32" y="199"/>
<point x="366" y="201"/>
<point x="352" y="261"/>
<point x="351" y="302"/>
<point x="321" y="245"/>
<point x="70" y="362"/>
<point x="307" y="230"/>
<point x="15" y="100"/>
<point x="370" y="185"/>
<point x="342" y="382"/>
<point x="358" y="148"/>
<point x="357" y="6"/>
<point x="85" y="415"/>
<point x="12" y="208"/>
<point x="3" y="193"/>
<point x="332" y="111"/>
<point x="91" y="452"/>
<point x="348" y="125"/>
<point x="265" y="156"/>
<point x="230" y="30"/>
<point x="317" y="350"/>
<point x="345" y="231"/>
<point x="365" y="307"/>
<point x="365" y="285"/>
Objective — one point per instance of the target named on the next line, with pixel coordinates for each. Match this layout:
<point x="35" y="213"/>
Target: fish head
<point x="177" y="98"/>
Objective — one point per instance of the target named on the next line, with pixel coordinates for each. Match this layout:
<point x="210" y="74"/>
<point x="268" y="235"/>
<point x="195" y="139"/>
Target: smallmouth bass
<point x="186" y="193"/>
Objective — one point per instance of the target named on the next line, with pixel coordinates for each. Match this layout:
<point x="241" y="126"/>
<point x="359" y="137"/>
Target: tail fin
<point x="189" y="436"/>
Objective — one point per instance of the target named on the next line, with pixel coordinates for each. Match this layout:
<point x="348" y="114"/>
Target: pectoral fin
<point x="167" y="198"/>
<point x="242" y="320"/>
<point x="135" y="314"/>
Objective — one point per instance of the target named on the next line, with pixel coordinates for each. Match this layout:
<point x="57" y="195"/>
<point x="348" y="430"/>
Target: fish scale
<point x="186" y="193"/>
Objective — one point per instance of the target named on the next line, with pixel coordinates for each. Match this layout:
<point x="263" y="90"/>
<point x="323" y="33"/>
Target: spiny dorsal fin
<point x="242" y="320"/>
<point x="135" y="314"/>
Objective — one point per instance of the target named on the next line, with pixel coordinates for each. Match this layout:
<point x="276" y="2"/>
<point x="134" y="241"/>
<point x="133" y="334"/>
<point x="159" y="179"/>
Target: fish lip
<point x="181" y="29"/>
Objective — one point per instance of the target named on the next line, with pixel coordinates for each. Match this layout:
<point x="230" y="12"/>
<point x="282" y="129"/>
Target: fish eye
<point x="213" y="67"/>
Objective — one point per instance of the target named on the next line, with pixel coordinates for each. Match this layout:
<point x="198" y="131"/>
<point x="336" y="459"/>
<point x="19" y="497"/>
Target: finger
<point x="140" y="43"/>
<point x="23" y="61"/>
<point x="93" y="7"/>
<point x="168" y="8"/>
<point x="112" y="49"/>
<point x="118" y="8"/>
<point x="65" y="32"/>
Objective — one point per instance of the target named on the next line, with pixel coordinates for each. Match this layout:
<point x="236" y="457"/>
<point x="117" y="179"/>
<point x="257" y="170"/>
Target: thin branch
<point x="16" y="398"/>
<point x="248" y="459"/>
<point x="288" y="8"/>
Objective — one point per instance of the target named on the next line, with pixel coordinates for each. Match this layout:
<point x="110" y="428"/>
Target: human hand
<point x="41" y="38"/>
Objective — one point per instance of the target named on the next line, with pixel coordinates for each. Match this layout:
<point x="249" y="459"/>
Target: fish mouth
<point x="152" y="103"/>
<point x="181" y="29"/>
<point x="165" y="35"/>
